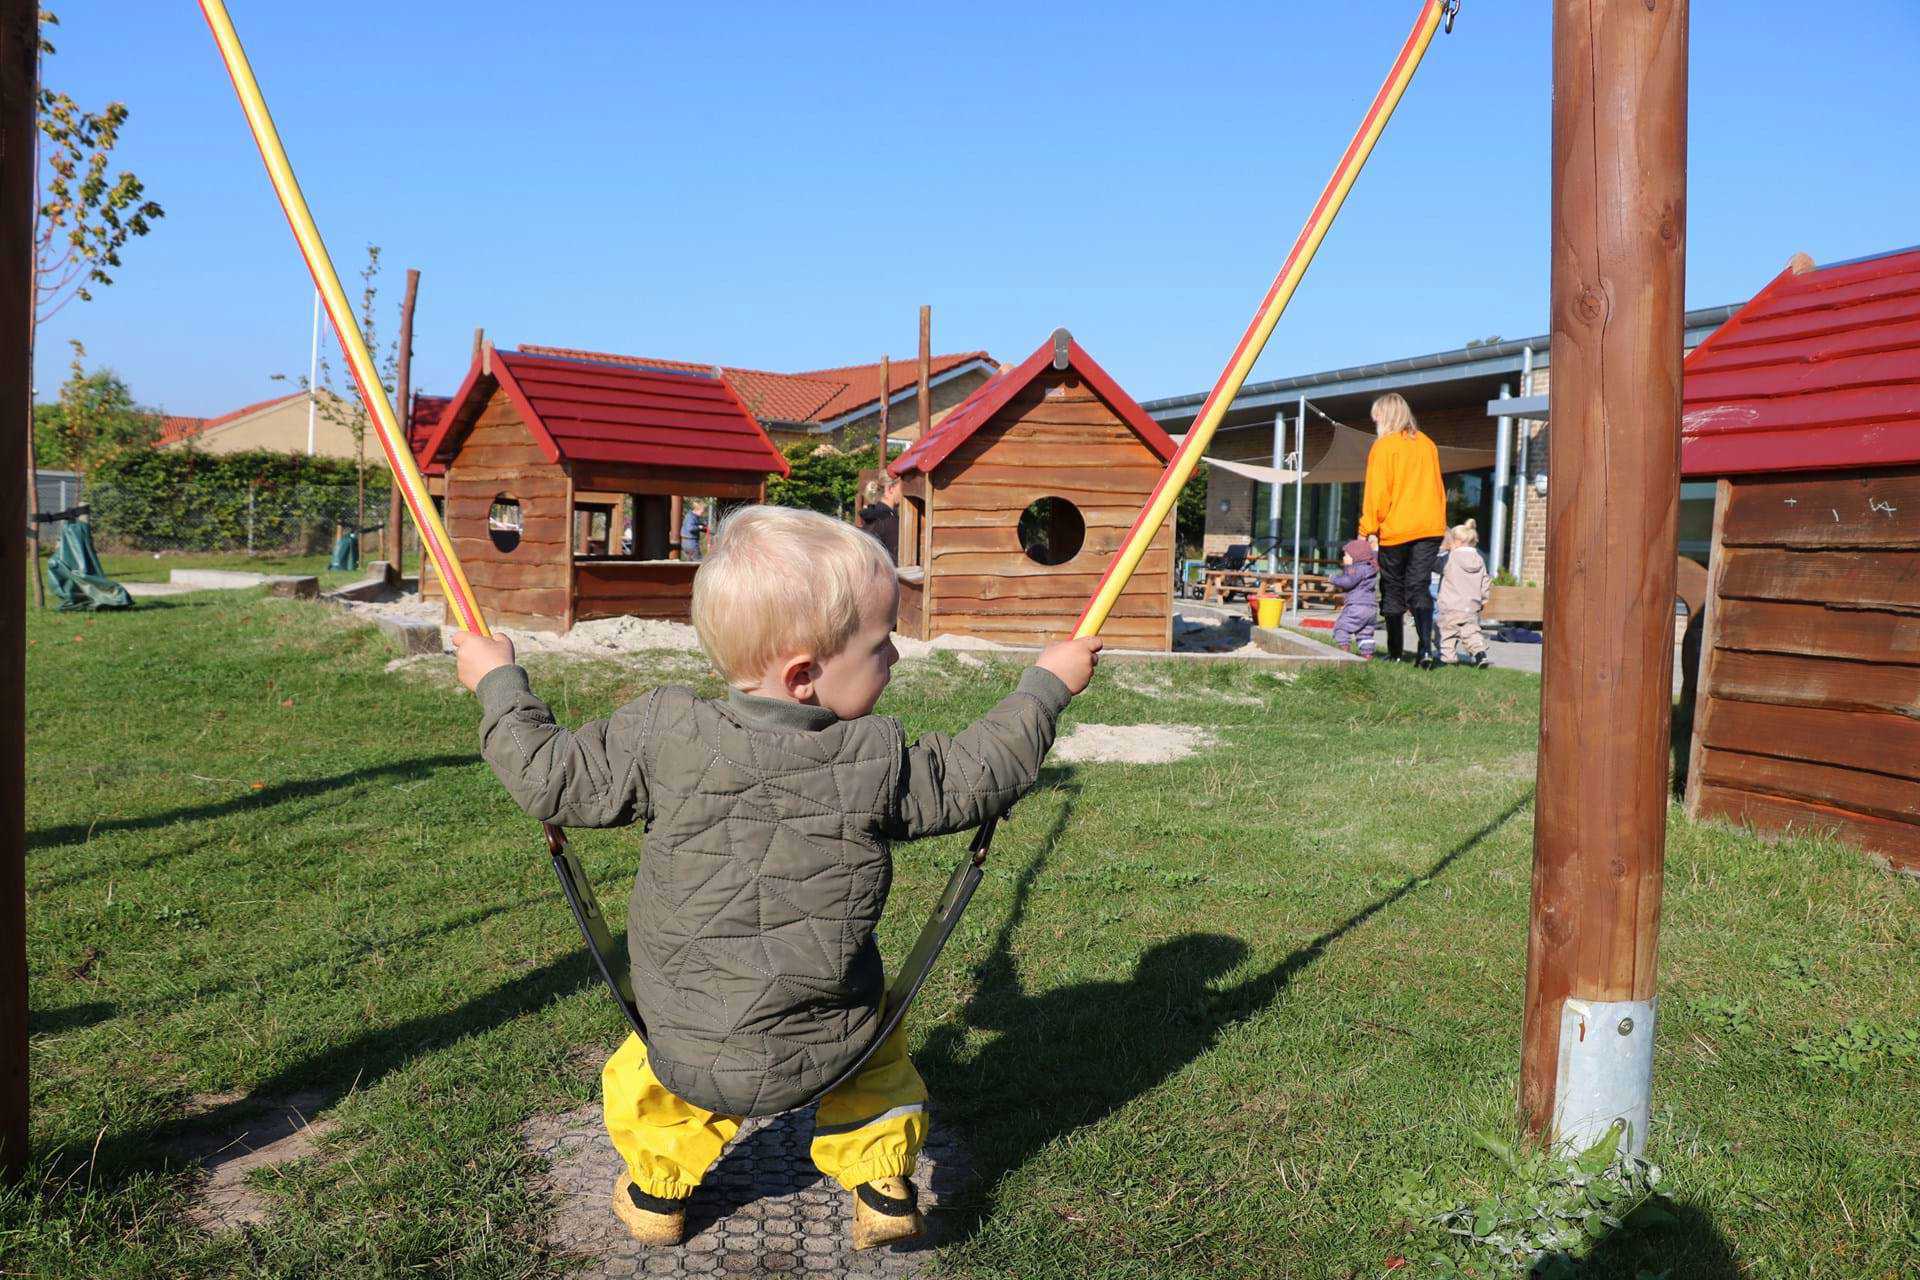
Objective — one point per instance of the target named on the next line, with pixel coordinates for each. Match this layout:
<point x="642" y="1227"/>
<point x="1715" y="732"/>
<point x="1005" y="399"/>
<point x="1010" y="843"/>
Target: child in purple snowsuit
<point x="1360" y="579"/>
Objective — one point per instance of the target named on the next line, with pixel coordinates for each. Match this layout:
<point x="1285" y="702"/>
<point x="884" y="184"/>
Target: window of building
<point x="505" y="522"/>
<point x="1052" y="531"/>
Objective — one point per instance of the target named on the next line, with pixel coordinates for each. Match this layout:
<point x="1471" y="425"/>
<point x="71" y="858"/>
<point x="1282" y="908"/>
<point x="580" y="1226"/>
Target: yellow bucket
<point x="1267" y="610"/>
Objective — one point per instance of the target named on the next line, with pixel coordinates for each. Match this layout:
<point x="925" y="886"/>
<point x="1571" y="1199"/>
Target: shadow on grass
<point x="1689" y="1246"/>
<point x="72" y="1017"/>
<point x="1070" y="1057"/>
<point x="322" y="1080"/>
<point x="266" y="797"/>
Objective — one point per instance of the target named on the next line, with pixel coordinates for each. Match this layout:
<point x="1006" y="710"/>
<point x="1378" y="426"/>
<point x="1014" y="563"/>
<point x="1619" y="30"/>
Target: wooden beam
<point x="1618" y="269"/>
<point x="19" y="50"/>
<point x="396" y="539"/>
<point x="926" y="370"/>
<point x="886" y="402"/>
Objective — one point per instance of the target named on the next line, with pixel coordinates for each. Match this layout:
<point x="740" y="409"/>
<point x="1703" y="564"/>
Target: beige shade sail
<point x="1345" y="462"/>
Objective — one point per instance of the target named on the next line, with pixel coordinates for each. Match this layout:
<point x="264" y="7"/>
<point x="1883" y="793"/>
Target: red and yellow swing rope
<point x="393" y="437"/>
<point x="1180" y="470"/>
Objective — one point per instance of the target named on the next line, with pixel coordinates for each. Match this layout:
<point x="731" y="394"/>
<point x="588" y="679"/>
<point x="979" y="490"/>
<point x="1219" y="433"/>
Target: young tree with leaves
<point x="85" y="212"/>
<point x="95" y="420"/>
<point x="347" y="411"/>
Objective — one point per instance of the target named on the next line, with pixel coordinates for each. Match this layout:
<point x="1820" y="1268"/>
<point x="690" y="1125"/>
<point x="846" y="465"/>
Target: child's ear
<point x="797" y="675"/>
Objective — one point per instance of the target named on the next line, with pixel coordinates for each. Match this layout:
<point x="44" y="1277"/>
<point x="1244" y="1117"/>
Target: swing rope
<point x="439" y="549"/>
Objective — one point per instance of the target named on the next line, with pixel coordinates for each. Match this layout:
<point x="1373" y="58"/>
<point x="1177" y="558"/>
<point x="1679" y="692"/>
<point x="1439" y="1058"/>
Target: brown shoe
<point x="886" y="1211"/>
<point x="649" y="1219"/>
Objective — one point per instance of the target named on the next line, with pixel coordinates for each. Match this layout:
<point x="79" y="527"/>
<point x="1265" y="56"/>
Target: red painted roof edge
<point x="773" y="450"/>
<point x="503" y="370"/>
<point x="1151" y="433"/>
<point x="930" y="450"/>
<point x="1735" y="321"/>
<point x="456" y="408"/>
<point x="1849" y="448"/>
<point x="993" y="395"/>
<point x="437" y="439"/>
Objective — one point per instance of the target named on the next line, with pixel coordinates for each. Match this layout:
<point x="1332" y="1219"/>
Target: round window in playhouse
<point x="1052" y="531"/>
<point x="505" y="522"/>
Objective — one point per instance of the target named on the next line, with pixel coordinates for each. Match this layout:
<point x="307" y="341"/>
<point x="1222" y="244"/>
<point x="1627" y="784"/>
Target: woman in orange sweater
<point x="1404" y="512"/>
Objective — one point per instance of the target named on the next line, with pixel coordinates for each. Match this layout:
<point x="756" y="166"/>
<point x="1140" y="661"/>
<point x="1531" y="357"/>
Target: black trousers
<point x="1406" y="572"/>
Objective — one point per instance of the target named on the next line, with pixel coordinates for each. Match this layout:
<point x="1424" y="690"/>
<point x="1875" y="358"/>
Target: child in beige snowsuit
<point x="1463" y="593"/>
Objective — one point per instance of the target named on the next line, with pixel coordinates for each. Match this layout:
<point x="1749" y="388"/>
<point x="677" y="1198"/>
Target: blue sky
<point x="781" y="186"/>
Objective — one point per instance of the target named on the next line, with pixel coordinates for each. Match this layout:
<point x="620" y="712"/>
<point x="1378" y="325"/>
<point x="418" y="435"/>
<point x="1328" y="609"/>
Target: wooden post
<point x="1618" y="268"/>
<point x="886" y="401"/>
<point x="403" y="393"/>
<point x="19" y="51"/>
<point x="926" y="370"/>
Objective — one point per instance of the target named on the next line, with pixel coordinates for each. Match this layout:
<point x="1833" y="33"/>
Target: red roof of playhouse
<point x="1821" y="370"/>
<point x="989" y="397"/>
<point x="420" y="424"/>
<point x="818" y="396"/>
<point x="596" y="411"/>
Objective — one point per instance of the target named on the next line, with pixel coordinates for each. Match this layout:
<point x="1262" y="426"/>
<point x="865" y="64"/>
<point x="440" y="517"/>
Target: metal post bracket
<point x="1605" y="1073"/>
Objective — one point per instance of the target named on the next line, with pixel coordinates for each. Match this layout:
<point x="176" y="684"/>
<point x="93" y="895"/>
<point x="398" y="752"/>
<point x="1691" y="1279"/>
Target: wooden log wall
<point x="527" y="586"/>
<point x="633" y="589"/>
<point x="1809" y="709"/>
<point x="1056" y="439"/>
<point x="913" y="594"/>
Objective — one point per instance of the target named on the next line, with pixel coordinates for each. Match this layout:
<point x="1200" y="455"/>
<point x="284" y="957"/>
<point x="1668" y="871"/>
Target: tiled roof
<point x="1820" y="370"/>
<point x="175" y="430"/>
<point x="861" y="382"/>
<point x="813" y="396"/>
<point x="598" y="411"/>
<point x="989" y="397"/>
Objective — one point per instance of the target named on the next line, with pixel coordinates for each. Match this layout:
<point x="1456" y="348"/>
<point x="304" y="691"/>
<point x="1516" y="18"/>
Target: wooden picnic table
<point x="1220" y="586"/>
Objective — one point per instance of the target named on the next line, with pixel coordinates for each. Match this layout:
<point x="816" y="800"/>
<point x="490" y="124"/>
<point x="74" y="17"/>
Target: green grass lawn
<point x="1252" y="1014"/>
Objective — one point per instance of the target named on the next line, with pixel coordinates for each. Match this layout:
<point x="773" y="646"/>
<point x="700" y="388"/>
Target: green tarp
<point x="346" y="552"/>
<point x="75" y="575"/>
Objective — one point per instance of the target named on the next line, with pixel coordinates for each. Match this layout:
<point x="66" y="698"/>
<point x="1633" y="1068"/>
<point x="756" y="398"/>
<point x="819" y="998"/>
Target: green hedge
<point x="181" y="500"/>
<point x="822" y="480"/>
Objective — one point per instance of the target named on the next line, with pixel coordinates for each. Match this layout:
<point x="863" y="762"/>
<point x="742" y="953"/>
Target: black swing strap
<point x="906" y="983"/>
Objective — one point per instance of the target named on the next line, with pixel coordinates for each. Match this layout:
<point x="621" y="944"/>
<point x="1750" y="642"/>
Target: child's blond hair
<point x="1465" y="535"/>
<point x="1392" y="413"/>
<point x="781" y="582"/>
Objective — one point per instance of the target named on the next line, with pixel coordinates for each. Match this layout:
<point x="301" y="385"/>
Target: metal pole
<point x="1525" y="471"/>
<point x="1502" y="476"/>
<point x="1299" y="494"/>
<point x="1619" y="234"/>
<point x="19" y="50"/>
<point x="1273" y="490"/>
<point x="313" y="372"/>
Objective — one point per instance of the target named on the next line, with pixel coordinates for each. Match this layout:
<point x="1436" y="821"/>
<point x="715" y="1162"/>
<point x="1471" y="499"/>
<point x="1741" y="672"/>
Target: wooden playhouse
<point x="1805" y="409"/>
<point x="561" y="476"/>
<point x="1015" y="503"/>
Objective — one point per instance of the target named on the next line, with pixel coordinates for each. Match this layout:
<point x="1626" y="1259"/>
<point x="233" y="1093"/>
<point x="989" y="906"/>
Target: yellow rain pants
<point x="870" y="1127"/>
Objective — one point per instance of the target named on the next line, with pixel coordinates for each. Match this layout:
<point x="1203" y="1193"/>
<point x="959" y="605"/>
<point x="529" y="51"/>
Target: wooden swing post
<point x="19" y="52"/>
<point x="403" y="391"/>
<point x="925" y="397"/>
<point x="1618" y="271"/>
